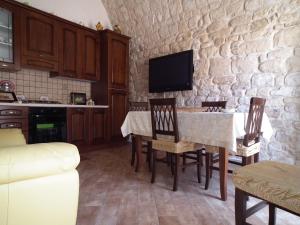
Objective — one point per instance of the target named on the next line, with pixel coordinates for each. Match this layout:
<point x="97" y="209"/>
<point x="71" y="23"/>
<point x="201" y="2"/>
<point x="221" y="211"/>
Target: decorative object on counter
<point x="78" y="98"/>
<point x="7" y="85"/>
<point x="90" y="102"/>
<point x="7" y="96"/>
<point x="117" y="29"/>
<point x="99" y="26"/>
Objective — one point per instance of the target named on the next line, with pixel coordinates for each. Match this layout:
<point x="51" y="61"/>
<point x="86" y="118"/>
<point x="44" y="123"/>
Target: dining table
<point x="218" y="129"/>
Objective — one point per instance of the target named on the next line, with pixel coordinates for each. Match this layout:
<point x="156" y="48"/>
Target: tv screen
<point x="171" y="72"/>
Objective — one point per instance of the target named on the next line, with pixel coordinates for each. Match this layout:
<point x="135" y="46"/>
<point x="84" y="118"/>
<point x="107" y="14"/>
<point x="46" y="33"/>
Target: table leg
<point x="223" y="164"/>
<point x="138" y="150"/>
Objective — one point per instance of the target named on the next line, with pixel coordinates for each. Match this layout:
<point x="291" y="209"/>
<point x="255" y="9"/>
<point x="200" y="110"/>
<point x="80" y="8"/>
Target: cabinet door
<point x="118" y="103"/>
<point x="39" y="41"/>
<point x="91" y="56"/>
<point x="69" y="50"/>
<point x="78" y="126"/>
<point x="97" y="126"/>
<point x="9" y="37"/>
<point x="119" y="62"/>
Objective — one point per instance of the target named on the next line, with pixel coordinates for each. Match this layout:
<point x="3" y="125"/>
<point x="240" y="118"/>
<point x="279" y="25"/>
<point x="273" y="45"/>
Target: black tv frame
<point x="176" y="88"/>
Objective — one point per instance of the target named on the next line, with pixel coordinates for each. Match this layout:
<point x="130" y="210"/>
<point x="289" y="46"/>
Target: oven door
<point x="47" y="126"/>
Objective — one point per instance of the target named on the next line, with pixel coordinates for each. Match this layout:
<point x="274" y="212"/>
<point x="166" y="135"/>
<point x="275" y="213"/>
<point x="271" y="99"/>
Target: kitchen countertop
<point x="52" y="105"/>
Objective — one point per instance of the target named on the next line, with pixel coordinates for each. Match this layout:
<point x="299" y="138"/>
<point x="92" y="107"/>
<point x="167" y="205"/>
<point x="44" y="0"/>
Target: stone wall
<point x="242" y="48"/>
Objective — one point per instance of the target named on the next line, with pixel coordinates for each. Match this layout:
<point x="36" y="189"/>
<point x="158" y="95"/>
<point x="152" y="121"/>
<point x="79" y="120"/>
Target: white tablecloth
<point x="208" y="128"/>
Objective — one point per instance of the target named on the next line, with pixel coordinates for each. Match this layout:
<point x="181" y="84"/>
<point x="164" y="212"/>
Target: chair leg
<point x="207" y="168"/>
<point x="172" y="163"/>
<point x="133" y="151"/>
<point x="240" y="207"/>
<point x="175" y="184"/>
<point x="246" y="160"/>
<point x="183" y="162"/>
<point x="256" y="157"/>
<point x="272" y="214"/>
<point x="168" y="159"/>
<point x="149" y="151"/>
<point x="154" y="152"/>
<point x="211" y="164"/>
<point x="199" y="154"/>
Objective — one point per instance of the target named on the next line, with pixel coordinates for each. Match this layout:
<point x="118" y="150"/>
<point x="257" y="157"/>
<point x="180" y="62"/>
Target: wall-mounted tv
<point x="171" y="72"/>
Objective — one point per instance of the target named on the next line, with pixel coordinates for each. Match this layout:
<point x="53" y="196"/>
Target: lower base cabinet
<point x="86" y="126"/>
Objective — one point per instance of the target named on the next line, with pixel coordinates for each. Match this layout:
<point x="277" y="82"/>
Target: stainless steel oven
<point x="47" y="124"/>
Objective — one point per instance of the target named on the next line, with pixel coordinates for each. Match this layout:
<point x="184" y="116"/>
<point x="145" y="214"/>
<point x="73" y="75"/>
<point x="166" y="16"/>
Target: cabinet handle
<point x="10" y="112"/>
<point x="10" y="125"/>
<point x="4" y="65"/>
<point x="41" y="55"/>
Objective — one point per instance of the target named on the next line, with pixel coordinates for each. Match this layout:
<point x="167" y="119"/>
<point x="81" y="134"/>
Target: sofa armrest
<point x="37" y="160"/>
<point x="11" y="137"/>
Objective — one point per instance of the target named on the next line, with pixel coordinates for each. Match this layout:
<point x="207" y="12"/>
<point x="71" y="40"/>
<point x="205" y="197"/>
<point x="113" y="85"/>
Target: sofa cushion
<point x="274" y="182"/>
<point x="11" y="137"/>
<point x="37" y="160"/>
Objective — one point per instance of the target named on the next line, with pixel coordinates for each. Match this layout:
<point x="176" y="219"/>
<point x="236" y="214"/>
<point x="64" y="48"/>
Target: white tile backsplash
<point x="34" y="83"/>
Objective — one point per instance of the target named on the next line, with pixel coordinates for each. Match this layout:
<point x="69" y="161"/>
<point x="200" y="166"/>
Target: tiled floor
<point x="111" y="193"/>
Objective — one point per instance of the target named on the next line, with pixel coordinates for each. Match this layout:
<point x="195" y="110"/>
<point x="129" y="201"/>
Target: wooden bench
<point x="276" y="184"/>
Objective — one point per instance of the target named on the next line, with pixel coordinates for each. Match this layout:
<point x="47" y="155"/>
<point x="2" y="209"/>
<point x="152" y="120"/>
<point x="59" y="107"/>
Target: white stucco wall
<point x="89" y="12"/>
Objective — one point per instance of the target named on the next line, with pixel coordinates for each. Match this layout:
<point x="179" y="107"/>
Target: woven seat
<point x="173" y="147"/>
<point x="242" y="150"/>
<point x="273" y="182"/>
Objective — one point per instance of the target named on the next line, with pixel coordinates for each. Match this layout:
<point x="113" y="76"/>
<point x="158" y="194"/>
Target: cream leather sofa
<point x="39" y="184"/>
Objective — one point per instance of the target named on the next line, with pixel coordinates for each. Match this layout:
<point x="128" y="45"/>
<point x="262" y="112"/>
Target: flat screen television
<point x="171" y="72"/>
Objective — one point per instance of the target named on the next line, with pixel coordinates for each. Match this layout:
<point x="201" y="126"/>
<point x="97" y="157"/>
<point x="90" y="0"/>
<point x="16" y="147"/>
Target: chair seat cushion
<point x="274" y="182"/>
<point x="170" y="146"/>
<point x="242" y="150"/>
<point x="245" y="151"/>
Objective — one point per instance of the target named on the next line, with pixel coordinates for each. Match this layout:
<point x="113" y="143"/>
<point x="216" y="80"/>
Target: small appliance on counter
<point x="78" y="98"/>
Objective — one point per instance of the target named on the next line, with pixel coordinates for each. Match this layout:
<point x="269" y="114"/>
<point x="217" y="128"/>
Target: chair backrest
<point x="216" y="106"/>
<point x="164" y="118"/>
<point x="138" y="106"/>
<point x="255" y="116"/>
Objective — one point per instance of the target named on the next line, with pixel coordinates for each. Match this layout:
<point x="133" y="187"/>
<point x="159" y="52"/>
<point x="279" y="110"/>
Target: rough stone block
<point x="293" y="79"/>
<point x="288" y="37"/>
<point x="293" y="64"/>
<point x="241" y="65"/>
<point x="220" y="67"/>
<point x="263" y="80"/>
<point x="270" y="66"/>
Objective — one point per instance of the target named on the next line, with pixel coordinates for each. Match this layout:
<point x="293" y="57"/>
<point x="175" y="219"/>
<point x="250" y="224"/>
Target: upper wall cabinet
<point x="91" y="56"/>
<point x="118" y="60"/>
<point x="69" y="51"/>
<point x="9" y="37"/>
<point x="39" y="41"/>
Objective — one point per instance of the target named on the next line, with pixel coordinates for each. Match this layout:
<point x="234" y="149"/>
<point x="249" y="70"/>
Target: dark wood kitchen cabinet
<point x="14" y="117"/>
<point x="90" y="56"/>
<point x="112" y="88"/>
<point x="78" y="126"/>
<point x="98" y="119"/>
<point x="9" y="37"/>
<point x="69" y="51"/>
<point x="118" y="111"/>
<point x="86" y="126"/>
<point x="118" y="47"/>
<point x="39" y="41"/>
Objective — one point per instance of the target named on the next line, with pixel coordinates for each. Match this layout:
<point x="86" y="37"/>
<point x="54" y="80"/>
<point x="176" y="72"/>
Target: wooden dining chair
<point x="165" y="137"/>
<point x="247" y="147"/>
<point x="214" y="106"/>
<point x="139" y="106"/>
<point x="211" y="106"/>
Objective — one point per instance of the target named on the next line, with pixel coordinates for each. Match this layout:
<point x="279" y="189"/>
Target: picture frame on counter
<point x="7" y="96"/>
<point x="78" y="98"/>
